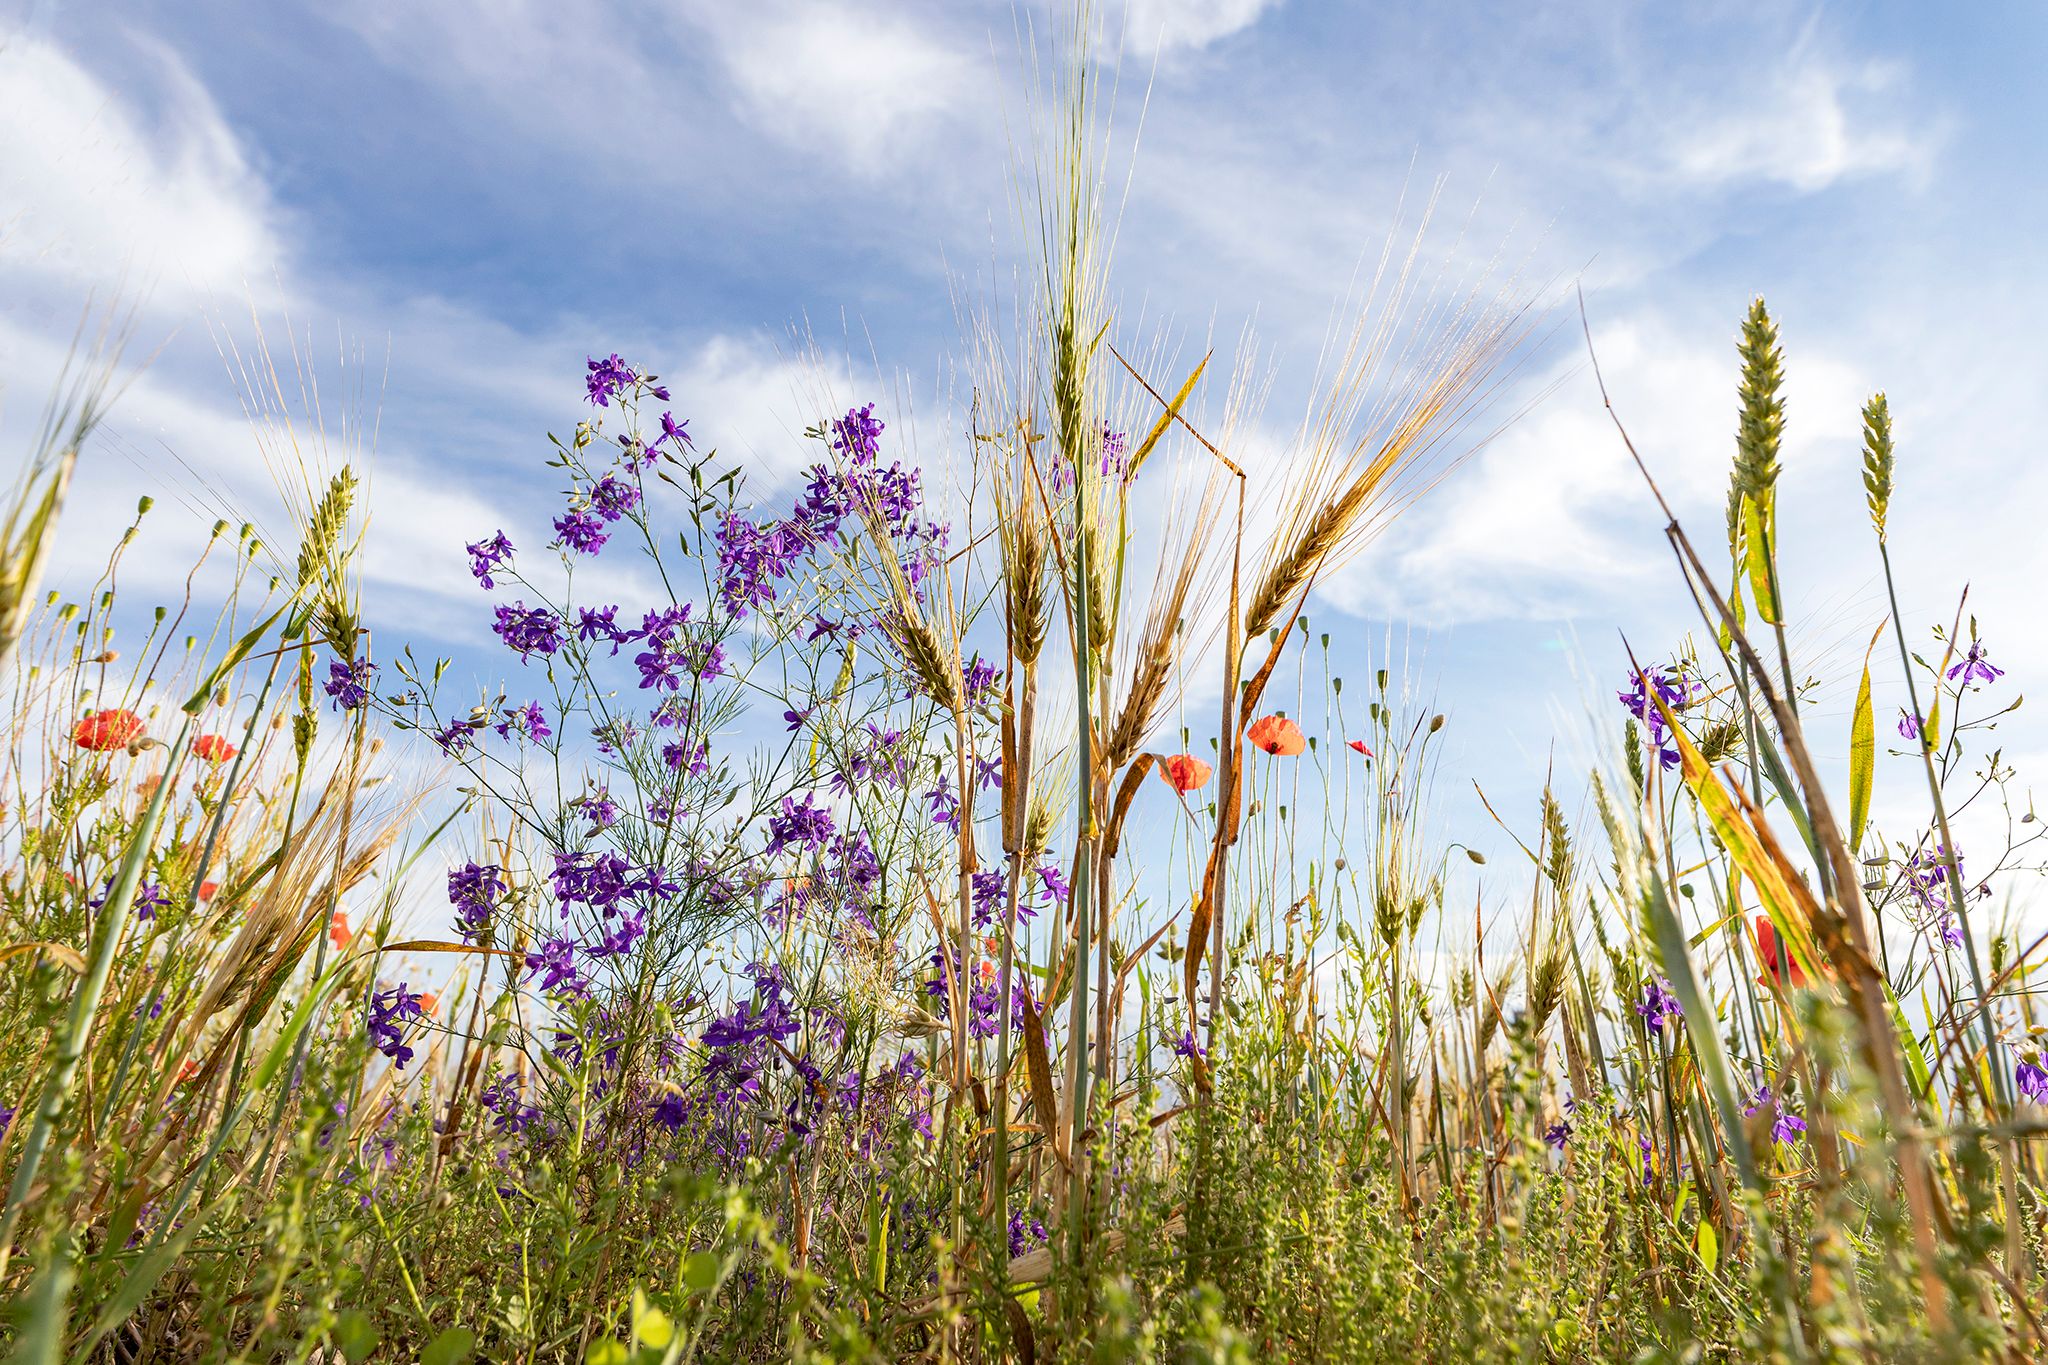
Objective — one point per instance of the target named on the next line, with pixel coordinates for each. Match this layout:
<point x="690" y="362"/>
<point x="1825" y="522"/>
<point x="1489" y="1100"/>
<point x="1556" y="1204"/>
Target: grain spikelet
<point x="1414" y="374"/>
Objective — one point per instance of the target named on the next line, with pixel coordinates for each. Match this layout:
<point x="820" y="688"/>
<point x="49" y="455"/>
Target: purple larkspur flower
<point x="1025" y="1233"/>
<point x="858" y="435"/>
<point x="528" y="721"/>
<point x="1927" y="876"/>
<point x="600" y="623"/>
<point x="1786" y="1126"/>
<point x="487" y="557"/>
<point x="528" y="631"/>
<point x="475" y="890"/>
<point x="945" y="806"/>
<point x="1909" y="724"/>
<point x="598" y="808"/>
<point x="618" y="938"/>
<point x="979" y="678"/>
<point x="607" y="379"/>
<point x="672" y="432"/>
<point x="553" y="960"/>
<point x="149" y="898"/>
<point x="349" y="683"/>
<point x="679" y="755"/>
<point x="990" y="889"/>
<point x="807" y="825"/>
<point x="1558" y="1134"/>
<point x="611" y="497"/>
<point x="1976" y="666"/>
<point x="581" y="529"/>
<point x="390" y="1012"/>
<point x="1658" y="1005"/>
<point x="2032" y="1079"/>
<point x="454" y="737"/>
<point x="1675" y="690"/>
<point x="1187" y="1045"/>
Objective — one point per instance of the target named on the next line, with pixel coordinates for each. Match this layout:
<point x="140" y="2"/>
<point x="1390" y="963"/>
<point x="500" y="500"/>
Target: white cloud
<point x="856" y="80"/>
<point x="1815" y="124"/>
<point x="1189" y="23"/>
<point x="1552" y="518"/>
<point x="104" y="196"/>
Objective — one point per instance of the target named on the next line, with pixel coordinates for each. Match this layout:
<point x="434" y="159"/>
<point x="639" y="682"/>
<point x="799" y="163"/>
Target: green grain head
<point x="1877" y="460"/>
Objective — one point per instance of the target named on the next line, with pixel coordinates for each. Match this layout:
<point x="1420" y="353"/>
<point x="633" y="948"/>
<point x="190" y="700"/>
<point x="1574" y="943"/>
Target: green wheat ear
<point x="323" y="557"/>
<point x="1877" y="460"/>
<point x="1762" y="426"/>
<point x="1557" y="836"/>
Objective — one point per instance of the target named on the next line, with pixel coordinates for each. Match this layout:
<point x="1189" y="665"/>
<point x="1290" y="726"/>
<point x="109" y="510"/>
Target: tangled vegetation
<point x="897" y="939"/>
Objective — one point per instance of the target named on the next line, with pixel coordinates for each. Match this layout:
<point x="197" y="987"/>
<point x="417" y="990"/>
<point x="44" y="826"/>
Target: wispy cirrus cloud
<point x="1815" y="122"/>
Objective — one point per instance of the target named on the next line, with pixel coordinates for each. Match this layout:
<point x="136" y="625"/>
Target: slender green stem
<point x="1999" y="1078"/>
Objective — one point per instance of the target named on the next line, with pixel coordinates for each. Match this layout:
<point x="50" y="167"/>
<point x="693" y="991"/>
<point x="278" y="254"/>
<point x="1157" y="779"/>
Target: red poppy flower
<point x="1277" y="735"/>
<point x="338" y="931"/>
<point x="1778" y="961"/>
<point x="214" y="748"/>
<point x="187" y="1069"/>
<point x="1183" y="772"/>
<point x="206" y="890"/>
<point x="104" y="730"/>
<point x="1359" y="745"/>
<point x="430" y="1003"/>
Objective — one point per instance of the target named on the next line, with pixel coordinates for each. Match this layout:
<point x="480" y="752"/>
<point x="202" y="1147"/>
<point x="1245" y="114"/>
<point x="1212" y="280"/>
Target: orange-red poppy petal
<point x="1277" y="735"/>
<point x="1183" y="772"/>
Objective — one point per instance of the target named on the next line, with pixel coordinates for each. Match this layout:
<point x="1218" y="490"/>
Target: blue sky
<point x="486" y="193"/>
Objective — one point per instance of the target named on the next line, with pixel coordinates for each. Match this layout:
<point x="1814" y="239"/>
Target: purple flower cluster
<point x="528" y="631"/>
<point x="553" y="960"/>
<point x="598" y="808"/>
<point x="149" y="898"/>
<point x="978" y="679"/>
<point x="1926" y="881"/>
<point x="487" y="557"/>
<point x="1785" y="1126"/>
<point x="475" y="890"/>
<point x="390" y="1012"/>
<point x="767" y="1017"/>
<point x="1056" y="888"/>
<point x="505" y="1101"/>
<point x="609" y="378"/>
<point x="984" y="994"/>
<point x="601" y="623"/>
<point x="673" y="651"/>
<point x="528" y="722"/>
<point x="583" y="527"/>
<point x="1676" y="691"/>
<point x="349" y="683"/>
<point x="1659" y="1005"/>
<point x="881" y="757"/>
<point x="807" y="825"/>
<point x="752" y="558"/>
<point x="1025" y="1234"/>
<point x="455" y="736"/>
<point x="581" y="530"/>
